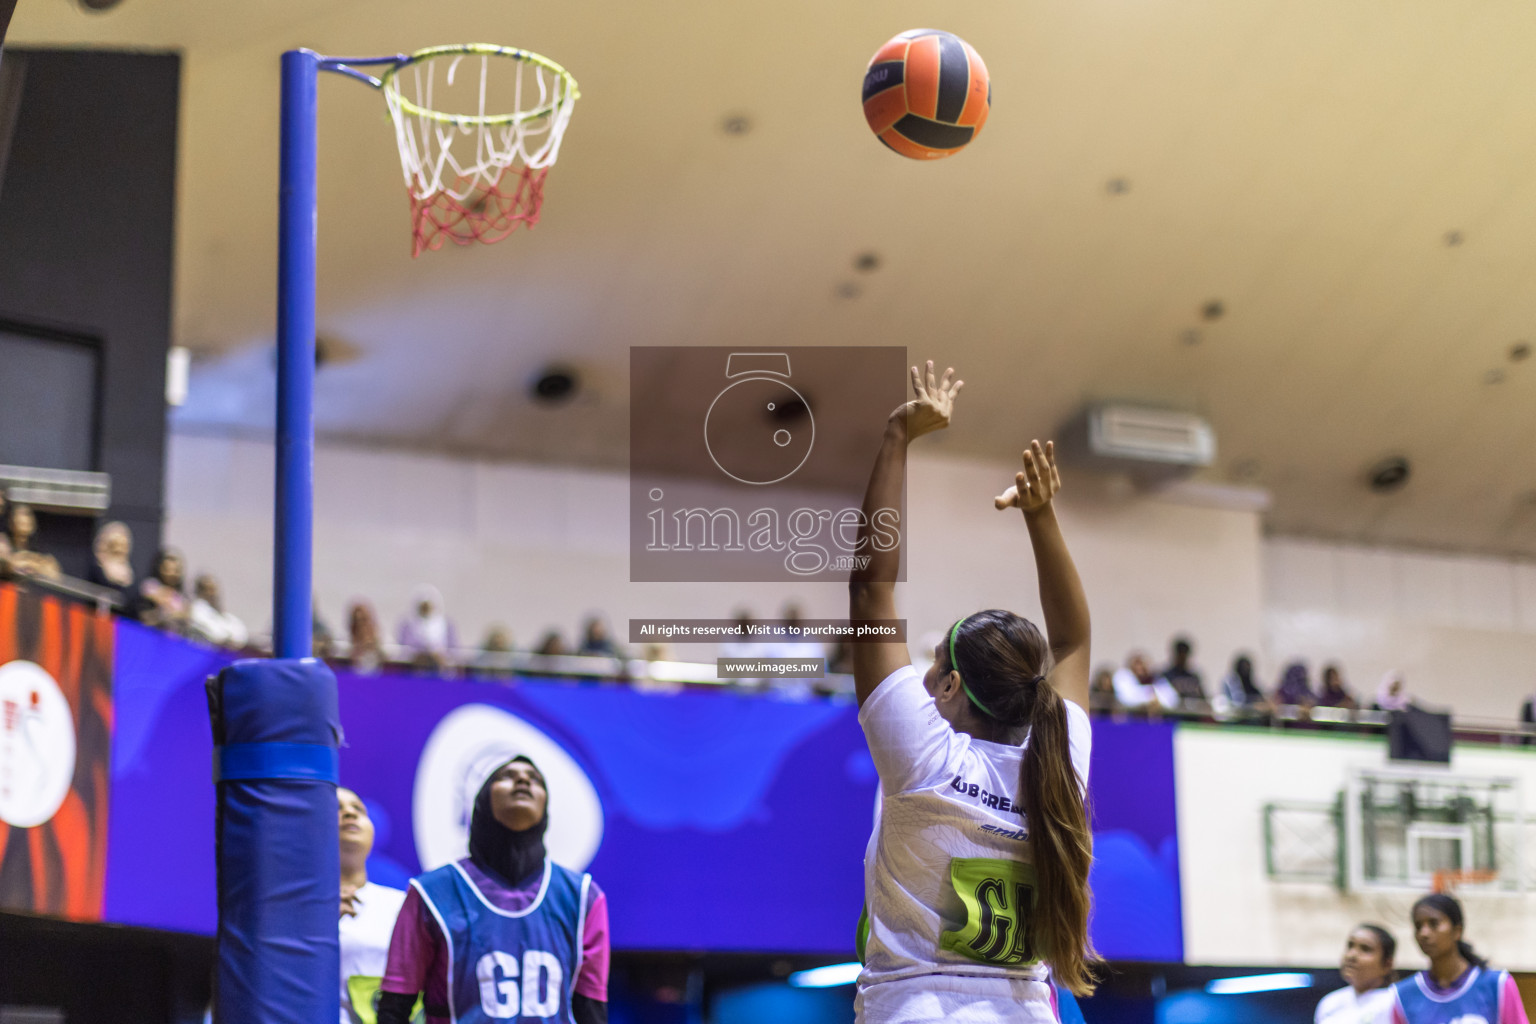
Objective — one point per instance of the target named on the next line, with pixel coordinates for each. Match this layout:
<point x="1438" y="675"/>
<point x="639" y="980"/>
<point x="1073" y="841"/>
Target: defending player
<point x="976" y="877"/>
<point x="1459" y="986"/>
<point x="1367" y="970"/>
<point x="505" y="932"/>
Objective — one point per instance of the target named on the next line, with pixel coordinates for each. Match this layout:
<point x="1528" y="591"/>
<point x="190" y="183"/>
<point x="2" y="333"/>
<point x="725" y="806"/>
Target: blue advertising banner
<point x="714" y="821"/>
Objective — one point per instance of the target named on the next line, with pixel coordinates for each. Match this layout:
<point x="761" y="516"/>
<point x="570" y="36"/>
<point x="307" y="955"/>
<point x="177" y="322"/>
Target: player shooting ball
<point x="976" y="876"/>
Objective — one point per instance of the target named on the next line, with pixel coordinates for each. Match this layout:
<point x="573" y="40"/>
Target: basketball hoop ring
<point x="477" y="176"/>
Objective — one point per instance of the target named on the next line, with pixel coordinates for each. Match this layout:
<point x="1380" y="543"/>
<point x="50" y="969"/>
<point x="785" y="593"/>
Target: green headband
<point x="955" y="665"/>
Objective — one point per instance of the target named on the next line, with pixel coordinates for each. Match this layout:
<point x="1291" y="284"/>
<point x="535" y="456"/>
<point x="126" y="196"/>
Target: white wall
<point x="1461" y="629"/>
<point x="536" y="547"/>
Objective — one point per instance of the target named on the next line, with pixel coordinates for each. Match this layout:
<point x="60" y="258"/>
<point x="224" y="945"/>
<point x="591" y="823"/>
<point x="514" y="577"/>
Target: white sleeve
<point x="1079" y="741"/>
<point x="911" y="743"/>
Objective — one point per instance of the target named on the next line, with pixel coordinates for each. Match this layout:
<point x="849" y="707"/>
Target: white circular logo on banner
<point x="37" y="745"/>
<point x="462" y="751"/>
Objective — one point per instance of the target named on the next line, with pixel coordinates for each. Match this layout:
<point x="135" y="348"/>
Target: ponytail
<point x="1469" y="954"/>
<point x="1062" y="842"/>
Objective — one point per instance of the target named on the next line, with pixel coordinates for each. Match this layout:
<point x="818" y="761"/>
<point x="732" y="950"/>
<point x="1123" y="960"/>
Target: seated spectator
<point x="1179" y="675"/>
<point x="110" y="567"/>
<point x="1101" y="693"/>
<point x="21" y="560"/>
<point x="425" y="633"/>
<point x="1295" y="687"/>
<point x="1238" y="691"/>
<point x="159" y="599"/>
<point x="1528" y="719"/>
<point x="367" y="648"/>
<point x="552" y="645"/>
<point x="595" y="641"/>
<point x="322" y="642"/>
<point x="1136" y="686"/>
<point x="1392" y="694"/>
<point x="495" y="655"/>
<point x="5" y="540"/>
<point x="1335" y="694"/>
<point x="208" y="619"/>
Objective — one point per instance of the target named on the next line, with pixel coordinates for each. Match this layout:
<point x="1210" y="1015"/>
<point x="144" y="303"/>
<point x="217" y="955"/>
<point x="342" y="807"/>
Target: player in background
<point x="1459" y="986"/>
<point x="504" y="933"/>
<point x="976" y="876"/>
<point x="368" y="912"/>
<point x="1366" y="997"/>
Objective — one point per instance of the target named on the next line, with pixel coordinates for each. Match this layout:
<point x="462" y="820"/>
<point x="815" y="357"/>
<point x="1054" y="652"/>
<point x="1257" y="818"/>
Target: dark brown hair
<point x="1003" y="660"/>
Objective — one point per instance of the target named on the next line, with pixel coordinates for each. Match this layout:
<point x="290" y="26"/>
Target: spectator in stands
<point x="426" y="634"/>
<point x="595" y="641"/>
<point x="1296" y="687"/>
<point x="1528" y="719"/>
<point x="495" y="655"/>
<point x="1335" y="694"/>
<point x="322" y="642"/>
<point x="1392" y="694"/>
<point x="208" y="619"/>
<point x="1101" y="692"/>
<point x="110" y="567"/>
<point x="367" y="648"/>
<point x="160" y="600"/>
<point x="21" y="560"/>
<point x="5" y="540"/>
<point x="552" y="645"/>
<point x="1179" y="675"/>
<point x="1239" y="691"/>
<point x="1136" y="686"/>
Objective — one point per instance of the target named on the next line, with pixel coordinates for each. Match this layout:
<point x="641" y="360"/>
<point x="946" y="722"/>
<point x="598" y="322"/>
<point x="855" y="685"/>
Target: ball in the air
<point x="926" y="94"/>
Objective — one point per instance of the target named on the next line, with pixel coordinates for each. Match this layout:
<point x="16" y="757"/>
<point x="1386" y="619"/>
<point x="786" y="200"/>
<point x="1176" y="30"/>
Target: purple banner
<point x="714" y="821"/>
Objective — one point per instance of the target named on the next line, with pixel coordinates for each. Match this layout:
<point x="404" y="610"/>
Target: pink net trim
<point x="486" y="214"/>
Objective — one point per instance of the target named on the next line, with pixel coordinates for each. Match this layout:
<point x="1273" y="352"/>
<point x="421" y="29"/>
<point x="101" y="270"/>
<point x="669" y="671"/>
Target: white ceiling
<point x="1301" y="161"/>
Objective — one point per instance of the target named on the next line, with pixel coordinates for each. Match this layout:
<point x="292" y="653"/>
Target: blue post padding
<point x="279" y="869"/>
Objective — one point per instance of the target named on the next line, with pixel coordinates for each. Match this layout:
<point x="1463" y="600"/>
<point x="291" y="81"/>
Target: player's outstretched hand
<point x="1033" y="488"/>
<point x="933" y="406"/>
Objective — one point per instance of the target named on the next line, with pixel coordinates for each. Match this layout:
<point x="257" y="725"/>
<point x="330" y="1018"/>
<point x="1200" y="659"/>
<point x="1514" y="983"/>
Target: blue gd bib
<point x="504" y="965"/>
<point x="1474" y="1001"/>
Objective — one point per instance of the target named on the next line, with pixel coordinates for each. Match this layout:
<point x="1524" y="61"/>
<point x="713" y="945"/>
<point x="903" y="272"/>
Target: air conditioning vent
<point x="58" y="490"/>
<point x="1150" y="435"/>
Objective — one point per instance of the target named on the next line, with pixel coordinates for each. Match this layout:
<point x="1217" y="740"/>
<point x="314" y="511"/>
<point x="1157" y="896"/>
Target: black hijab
<point x="513" y="856"/>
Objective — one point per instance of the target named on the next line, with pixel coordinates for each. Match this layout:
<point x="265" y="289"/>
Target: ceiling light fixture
<point x="1389" y="474"/>
<point x="554" y="384"/>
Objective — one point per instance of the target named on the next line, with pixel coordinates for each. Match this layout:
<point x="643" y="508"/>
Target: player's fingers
<point x="956" y="389"/>
<point x="932" y="384"/>
<point x="917" y="381"/>
<point x="1031" y="469"/>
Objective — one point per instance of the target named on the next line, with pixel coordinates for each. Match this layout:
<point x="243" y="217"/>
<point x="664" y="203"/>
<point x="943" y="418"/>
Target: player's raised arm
<point x="1061" y="591"/>
<point x="872" y="589"/>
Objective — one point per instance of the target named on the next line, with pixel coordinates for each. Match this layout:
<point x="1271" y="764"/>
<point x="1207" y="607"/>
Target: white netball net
<point x="478" y="128"/>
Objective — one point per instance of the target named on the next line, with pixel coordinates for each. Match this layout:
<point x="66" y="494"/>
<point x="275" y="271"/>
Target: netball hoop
<point x="478" y="127"/>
